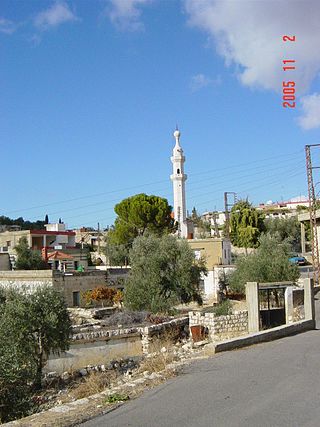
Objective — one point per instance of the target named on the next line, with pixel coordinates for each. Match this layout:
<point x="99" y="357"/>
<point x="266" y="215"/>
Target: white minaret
<point x="178" y="179"/>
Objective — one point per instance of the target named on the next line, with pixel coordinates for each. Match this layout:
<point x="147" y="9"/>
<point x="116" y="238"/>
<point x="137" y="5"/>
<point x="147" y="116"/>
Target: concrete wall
<point x="212" y="279"/>
<point x="215" y="251"/>
<point x="9" y="239"/>
<point x="220" y="326"/>
<point x="4" y="262"/>
<point x="68" y="283"/>
<point x="92" y="345"/>
<point x="95" y="353"/>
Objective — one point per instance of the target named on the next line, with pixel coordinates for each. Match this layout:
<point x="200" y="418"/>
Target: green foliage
<point x="223" y="309"/>
<point x="203" y="226"/>
<point x="117" y="254"/>
<point x="137" y="215"/>
<point x="32" y="326"/>
<point x="302" y="208"/>
<point x="49" y="323"/>
<point x="25" y="225"/>
<point x="285" y="229"/>
<point x="246" y="225"/>
<point x="27" y="259"/>
<point x="117" y="397"/>
<point x="268" y="264"/>
<point x="17" y="367"/>
<point x="163" y="273"/>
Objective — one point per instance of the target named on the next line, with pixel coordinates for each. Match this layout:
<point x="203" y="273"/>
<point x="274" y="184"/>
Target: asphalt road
<point x="271" y="384"/>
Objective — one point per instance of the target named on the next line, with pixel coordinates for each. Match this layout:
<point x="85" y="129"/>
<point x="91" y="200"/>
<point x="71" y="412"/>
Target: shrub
<point x="269" y="263"/>
<point x="125" y="318"/>
<point x="117" y="397"/>
<point x="103" y="294"/>
<point x="164" y="273"/>
<point x="223" y="309"/>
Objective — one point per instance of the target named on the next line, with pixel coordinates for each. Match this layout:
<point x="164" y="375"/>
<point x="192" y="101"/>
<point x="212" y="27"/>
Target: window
<point x="178" y="171"/>
<point x="75" y="265"/>
<point x="8" y="243"/>
<point x="76" y="299"/>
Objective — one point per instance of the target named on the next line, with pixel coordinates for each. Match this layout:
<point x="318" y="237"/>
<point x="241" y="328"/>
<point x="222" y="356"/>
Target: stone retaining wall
<point x="171" y="330"/>
<point x="92" y="332"/>
<point x="220" y="326"/>
<point x="175" y="328"/>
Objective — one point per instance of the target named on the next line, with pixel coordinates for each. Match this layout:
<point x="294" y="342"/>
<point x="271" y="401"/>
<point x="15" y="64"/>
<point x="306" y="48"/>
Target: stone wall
<point x="96" y="344"/>
<point x="221" y="326"/>
<point x="68" y="283"/>
<point x="28" y="279"/>
<point x="175" y="328"/>
<point x="166" y="331"/>
<point x="78" y="282"/>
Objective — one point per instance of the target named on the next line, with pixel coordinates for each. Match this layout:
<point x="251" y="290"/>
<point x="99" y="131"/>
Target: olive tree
<point x="164" y="273"/>
<point x="269" y="263"/>
<point x="33" y="325"/>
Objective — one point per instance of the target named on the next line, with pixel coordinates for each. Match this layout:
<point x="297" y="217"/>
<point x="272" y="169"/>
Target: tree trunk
<point x="37" y="383"/>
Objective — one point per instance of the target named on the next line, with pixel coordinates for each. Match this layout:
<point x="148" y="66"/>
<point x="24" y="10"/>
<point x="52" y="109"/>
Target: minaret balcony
<point x="178" y="177"/>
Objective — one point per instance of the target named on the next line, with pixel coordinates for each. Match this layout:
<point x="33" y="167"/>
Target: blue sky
<point x="91" y="92"/>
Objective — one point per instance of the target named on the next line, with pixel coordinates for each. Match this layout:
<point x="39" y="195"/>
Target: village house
<point x="217" y="255"/>
<point x="57" y="245"/>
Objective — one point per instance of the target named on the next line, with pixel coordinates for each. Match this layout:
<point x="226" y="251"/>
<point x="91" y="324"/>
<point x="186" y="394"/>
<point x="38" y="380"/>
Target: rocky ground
<point x="99" y="391"/>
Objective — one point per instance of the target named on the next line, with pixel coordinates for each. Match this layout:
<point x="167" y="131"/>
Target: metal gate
<point x="272" y="306"/>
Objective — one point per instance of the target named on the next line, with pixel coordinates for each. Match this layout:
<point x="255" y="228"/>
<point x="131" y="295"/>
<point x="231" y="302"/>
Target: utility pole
<point x="216" y="228"/>
<point x="227" y="205"/>
<point x="313" y="214"/>
<point x="98" y="238"/>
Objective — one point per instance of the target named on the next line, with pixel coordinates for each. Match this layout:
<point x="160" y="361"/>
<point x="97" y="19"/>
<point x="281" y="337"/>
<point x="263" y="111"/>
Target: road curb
<point x="263" y="336"/>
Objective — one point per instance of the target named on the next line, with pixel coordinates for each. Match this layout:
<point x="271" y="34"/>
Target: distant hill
<point x="25" y="225"/>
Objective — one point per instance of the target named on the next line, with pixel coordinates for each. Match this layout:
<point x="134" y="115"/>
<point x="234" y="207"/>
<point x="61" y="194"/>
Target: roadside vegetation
<point x="164" y="273"/>
<point x="269" y="263"/>
<point x="32" y="326"/>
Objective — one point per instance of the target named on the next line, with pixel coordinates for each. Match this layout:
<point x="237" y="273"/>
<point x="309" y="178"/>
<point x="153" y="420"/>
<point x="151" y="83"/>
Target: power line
<point x="190" y="190"/>
<point x="289" y="176"/>
<point x="150" y="183"/>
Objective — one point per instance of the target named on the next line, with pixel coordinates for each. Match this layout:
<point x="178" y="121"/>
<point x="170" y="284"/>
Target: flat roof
<point x="306" y="216"/>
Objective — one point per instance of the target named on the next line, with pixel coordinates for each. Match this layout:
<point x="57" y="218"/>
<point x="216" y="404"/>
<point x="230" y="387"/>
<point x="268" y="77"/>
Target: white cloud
<point x="55" y="15"/>
<point x="200" y="81"/>
<point x="126" y="14"/>
<point x="6" y="26"/>
<point x="249" y="34"/>
<point x="311" y="112"/>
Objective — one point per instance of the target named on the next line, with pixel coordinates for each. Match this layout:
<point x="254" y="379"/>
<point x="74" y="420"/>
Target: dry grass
<point x="94" y="383"/>
<point x="157" y="362"/>
<point x="162" y="355"/>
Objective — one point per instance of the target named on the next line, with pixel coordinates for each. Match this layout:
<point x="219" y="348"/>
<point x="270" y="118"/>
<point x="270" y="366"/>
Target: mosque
<point x="178" y="178"/>
<point x="215" y="251"/>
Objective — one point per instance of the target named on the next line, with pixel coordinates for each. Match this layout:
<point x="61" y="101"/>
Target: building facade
<point x="55" y="238"/>
<point x="216" y="253"/>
